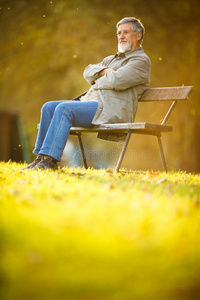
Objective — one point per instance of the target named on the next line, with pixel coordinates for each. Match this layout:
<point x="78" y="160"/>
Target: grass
<point x="95" y="234"/>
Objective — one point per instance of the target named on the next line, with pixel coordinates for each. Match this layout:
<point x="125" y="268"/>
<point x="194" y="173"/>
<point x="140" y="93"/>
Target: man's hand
<point x="105" y="71"/>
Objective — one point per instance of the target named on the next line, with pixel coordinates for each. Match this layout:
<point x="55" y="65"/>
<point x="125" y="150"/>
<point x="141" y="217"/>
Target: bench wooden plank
<point x="166" y="93"/>
<point x="124" y="127"/>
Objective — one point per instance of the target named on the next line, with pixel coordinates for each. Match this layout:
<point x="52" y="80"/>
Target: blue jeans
<point x="57" y="117"/>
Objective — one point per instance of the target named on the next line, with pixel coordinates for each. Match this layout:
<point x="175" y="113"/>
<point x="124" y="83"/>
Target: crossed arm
<point x="105" y="71"/>
<point x="135" y="72"/>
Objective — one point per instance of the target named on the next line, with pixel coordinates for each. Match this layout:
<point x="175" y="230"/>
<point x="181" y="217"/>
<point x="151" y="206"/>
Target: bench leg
<point x="82" y="149"/>
<point x="162" y="153"/>
<point x="123" y="151"/>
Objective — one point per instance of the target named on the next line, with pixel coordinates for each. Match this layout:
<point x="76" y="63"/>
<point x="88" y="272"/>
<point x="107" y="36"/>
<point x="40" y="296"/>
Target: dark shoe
<point x="38" y="159"/>
<point x="49" y="163"/>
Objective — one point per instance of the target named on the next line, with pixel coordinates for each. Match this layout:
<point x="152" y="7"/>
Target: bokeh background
<point x="45" y="46"/>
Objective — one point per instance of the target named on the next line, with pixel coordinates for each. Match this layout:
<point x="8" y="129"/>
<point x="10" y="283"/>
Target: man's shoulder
<point x="108" y="58"/>
<point x="138" y="53"/>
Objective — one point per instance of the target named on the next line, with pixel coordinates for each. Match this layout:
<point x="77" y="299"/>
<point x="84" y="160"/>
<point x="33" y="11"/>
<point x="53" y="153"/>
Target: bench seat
<point x="142" y="127"/>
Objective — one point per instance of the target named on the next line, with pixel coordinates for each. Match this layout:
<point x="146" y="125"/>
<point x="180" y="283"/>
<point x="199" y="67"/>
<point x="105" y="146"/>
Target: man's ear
<point x="139" y="36"/>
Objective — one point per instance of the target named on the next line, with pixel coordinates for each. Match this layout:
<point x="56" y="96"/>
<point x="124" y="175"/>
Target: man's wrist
<point x="105" y="71"/>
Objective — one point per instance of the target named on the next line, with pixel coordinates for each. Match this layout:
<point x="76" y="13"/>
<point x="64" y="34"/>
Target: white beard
<point x="124" y="48"/>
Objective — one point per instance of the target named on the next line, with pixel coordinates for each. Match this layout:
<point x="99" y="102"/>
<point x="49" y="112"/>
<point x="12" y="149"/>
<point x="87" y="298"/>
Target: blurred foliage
<point x="45" y="46"/>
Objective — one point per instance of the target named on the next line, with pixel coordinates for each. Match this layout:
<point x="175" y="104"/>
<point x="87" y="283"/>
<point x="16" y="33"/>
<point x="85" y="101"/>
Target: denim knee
<point x="63" y="109"/>
<point x="46" y="106"/>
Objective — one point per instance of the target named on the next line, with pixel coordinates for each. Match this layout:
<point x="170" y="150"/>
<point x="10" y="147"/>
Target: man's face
<point x="127" y="39"/>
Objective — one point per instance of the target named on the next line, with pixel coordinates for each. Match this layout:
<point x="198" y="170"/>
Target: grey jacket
<point x="118" y="91"/>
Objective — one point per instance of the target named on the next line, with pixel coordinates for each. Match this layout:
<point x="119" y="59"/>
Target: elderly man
<point x="116" y="84"/>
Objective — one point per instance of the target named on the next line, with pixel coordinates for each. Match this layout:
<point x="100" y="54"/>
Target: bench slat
<point x="124" y="127"/>
<point x="166" y="93"/>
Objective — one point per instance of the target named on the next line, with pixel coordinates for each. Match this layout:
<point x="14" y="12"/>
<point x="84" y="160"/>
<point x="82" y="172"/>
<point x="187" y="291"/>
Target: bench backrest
<point x="166" y="93"/>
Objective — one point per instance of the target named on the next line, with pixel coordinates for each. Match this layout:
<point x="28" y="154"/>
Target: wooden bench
<point x="173" y="94"/>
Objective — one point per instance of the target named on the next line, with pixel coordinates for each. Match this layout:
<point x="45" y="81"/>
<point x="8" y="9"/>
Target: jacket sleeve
<point x="135" y="72"/>
<point x="91" y="72"/>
